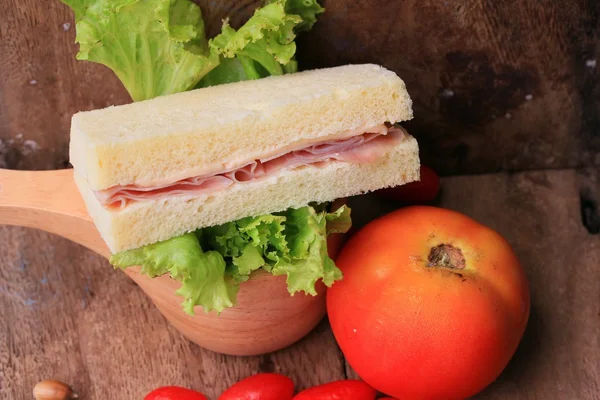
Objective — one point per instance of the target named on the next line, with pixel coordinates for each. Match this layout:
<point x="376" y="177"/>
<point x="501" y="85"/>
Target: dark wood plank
<point x="469" y="67"/>
<point x="73" y="318"/>
<point x="497" y="85"/>
<point x="540" y="214"/>
<point x="69" y="316"/>
<point x="43" y="84"/>
<point x="589" y="196"/>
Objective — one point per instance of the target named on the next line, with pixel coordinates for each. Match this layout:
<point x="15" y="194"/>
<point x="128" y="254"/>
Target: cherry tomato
<point x="419" y="192"/>
<point x="349" y="389"/>
<point x="261" y="387"/>
<point x="432" y="306"/>
<point x="174" y="393"/>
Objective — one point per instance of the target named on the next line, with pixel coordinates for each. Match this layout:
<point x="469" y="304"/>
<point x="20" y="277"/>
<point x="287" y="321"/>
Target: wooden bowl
<point x="266" y="317"/>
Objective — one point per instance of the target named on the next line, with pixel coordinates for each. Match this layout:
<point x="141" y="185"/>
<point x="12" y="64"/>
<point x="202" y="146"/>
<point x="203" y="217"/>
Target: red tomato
<point x="432" y="304"/>
<point x="349" y="389"/>
<point x="261" y="387"/>
<point x="174" y="393"/>
<point x="419" y="192"/>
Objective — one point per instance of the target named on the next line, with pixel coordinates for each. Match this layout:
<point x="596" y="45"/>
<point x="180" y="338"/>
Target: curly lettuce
<point x="155" y="47"/>
<point x="159" y="47"/>
<point x="263" y="46"/>
<point x="201" y="273"/>
<point x="305" y="9"/>
<point x="212" y="262"/>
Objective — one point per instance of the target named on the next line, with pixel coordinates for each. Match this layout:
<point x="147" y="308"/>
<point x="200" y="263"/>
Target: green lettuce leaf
<point x="249" y="261"/>
<point x="212" y="262"/>
<point x="155" y="47"/>
<point x="270" y="26"/>
<point x="306" y="9"/>
<point x="264" y="45"/>
<point x="339" y="221"/>
<point x="307" y="260"/>
<point x="159" y="47"/>
<point x="202" y="274"/>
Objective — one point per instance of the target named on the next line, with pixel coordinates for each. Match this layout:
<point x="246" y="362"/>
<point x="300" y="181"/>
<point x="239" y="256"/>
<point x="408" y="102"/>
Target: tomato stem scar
<point x="446" y="256"/>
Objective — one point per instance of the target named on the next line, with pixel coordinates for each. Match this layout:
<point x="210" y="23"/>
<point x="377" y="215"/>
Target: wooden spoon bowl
<point x="266" y="317"/>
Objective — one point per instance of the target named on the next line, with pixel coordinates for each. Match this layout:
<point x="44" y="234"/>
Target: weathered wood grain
<point x="71" y="317"/>
<point x="42" y="84"/>
<point x="589" y="199"/>
<point x="497" y="85"/>
<point x="67" y="315"/>
<point x="540" y="214"/>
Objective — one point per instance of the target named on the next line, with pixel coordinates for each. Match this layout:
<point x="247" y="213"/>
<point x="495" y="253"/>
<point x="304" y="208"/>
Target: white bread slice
<point x="150" y="221"/>
<point x="176" y="136"/>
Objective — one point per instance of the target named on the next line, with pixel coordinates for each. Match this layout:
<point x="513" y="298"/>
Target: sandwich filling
<point x="363" y="148"/>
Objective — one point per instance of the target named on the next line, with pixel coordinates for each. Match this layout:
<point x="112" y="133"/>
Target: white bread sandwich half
<point x="155" y="169"/>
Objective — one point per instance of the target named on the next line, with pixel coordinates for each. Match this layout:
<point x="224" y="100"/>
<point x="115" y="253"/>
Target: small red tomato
<point x="422" y="191"/>
<point x="349" y="389"/>
<point x="174" y="393"/>
<point x="261" y="387"/>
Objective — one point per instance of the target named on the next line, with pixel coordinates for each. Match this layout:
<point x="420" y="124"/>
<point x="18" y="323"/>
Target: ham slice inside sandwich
<point x="365" y="148"/>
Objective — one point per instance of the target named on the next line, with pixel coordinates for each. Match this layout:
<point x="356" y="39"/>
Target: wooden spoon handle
<point x="50" y="201"/>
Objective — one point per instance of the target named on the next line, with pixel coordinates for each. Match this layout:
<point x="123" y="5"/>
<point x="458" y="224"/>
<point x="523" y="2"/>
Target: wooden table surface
<point x="67" y="315"/>
<point x="497" y="86"/>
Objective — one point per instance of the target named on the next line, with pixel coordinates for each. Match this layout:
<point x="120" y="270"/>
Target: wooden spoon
<point x="265" y="319"/>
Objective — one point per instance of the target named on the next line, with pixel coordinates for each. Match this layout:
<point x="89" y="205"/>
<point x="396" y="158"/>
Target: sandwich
<point x="163" y="168"/>
<point x="229" y="160"/>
